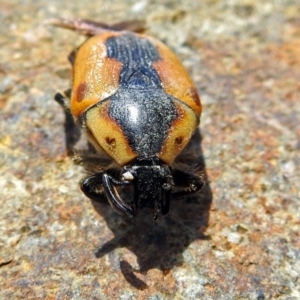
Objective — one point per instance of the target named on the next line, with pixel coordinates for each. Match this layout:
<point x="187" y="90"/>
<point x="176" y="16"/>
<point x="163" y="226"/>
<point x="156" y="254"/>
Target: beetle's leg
<point x="71" y="130"/>
<point x="63" y="102"/>
<point x="189" y="182"/>
<point x="113" y="197"/>
<point x="91" y="28"/>
<point x="92" y="187"/>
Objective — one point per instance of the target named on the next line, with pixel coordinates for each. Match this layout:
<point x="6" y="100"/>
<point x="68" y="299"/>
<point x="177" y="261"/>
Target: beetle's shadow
<point x="161" y="243"/>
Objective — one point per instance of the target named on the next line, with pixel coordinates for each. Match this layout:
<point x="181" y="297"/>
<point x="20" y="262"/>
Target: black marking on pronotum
<point x="145" y="118"/>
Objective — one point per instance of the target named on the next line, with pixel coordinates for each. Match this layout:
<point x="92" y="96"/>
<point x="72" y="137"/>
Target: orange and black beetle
<point x="133" y="99"/>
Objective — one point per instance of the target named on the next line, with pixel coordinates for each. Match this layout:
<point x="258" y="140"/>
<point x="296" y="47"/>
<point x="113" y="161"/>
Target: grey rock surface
<point x="239" y="239"/>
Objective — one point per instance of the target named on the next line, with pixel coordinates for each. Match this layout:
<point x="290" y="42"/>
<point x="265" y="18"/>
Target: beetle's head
<point x="152" y="183"/>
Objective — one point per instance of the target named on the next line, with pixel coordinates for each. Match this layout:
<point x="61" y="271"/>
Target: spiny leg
<point x="116" y="202"/>
<point x="100" y="184"/>
<point x="189" y="182"/>
<point x="92" y="187"/>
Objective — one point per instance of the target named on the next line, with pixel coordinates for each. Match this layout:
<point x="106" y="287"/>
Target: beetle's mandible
<point x="135" y="102"/>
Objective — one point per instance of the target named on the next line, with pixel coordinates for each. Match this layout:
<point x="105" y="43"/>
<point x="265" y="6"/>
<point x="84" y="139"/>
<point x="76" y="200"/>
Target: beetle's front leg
<point x="116" y="202"/>
<point x="100" y="184"/>
<point x="189" y="182"/>
<point x="92" y="187"/>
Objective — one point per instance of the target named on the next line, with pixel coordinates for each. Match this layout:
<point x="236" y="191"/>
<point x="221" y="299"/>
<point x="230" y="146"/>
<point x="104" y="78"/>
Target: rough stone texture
<point x="55" y="244"/>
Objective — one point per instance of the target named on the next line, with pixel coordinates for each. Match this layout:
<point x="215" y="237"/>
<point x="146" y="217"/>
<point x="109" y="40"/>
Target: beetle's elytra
<point x="134" y="100"/>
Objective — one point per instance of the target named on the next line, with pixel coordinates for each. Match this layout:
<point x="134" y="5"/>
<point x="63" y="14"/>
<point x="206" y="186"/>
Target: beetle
<point x="135" y="102"/>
